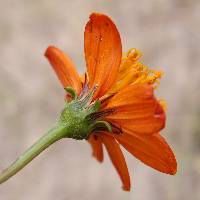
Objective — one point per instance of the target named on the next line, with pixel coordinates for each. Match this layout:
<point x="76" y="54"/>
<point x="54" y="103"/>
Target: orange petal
<point x="117" y="159"/>
<point x="103" y="52"/>
<point x="131" y="95"/>
<point x="64" y="68"/>
<point x="152" y="150"/>
<point x="137" y="109"/>
<point x="97" y="148"/>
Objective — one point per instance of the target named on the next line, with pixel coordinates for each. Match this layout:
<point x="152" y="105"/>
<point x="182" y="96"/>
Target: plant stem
<point x="49" y="138"/>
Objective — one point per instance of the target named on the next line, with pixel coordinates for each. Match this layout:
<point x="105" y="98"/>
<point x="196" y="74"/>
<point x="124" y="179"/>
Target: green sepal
<point x="94" y="107"/>
<point x="100" y="126"/>
<point x="72" y="92"/>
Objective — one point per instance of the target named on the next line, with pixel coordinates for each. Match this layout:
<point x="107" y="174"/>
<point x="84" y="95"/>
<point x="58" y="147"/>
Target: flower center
<point x="132" y="71"/>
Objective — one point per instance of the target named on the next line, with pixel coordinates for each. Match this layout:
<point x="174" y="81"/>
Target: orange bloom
<point x="124" y="87"/>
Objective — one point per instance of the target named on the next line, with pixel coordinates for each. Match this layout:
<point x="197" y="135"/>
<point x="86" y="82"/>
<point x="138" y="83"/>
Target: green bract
<point x="78" y="116"/>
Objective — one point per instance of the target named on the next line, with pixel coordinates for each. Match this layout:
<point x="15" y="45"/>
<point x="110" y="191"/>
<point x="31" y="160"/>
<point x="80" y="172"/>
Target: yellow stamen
<point x="131" y="71"/>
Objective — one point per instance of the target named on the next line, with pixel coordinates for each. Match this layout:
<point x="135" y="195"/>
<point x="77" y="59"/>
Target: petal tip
<point x="126" y="188"/>
<point x="49" y="50"/>
<point x="96" y="14"/>
<point x="173" y="169"/>
<point x="100" y="160"/>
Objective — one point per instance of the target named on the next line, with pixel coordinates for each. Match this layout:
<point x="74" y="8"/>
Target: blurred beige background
<point x="31" y="98"/>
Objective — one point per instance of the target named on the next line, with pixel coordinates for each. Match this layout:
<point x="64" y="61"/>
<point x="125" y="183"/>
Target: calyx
<point x="81" y="115"/>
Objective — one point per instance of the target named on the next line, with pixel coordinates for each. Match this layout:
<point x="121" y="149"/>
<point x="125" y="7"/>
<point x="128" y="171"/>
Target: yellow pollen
<point x="132" y="71"/>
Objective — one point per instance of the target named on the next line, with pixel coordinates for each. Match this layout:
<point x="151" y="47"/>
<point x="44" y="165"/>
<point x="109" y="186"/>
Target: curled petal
<point x="137" y="110"/>
<point x="97" y="148"/>
<point x="64" y="68"/>
<point x="152" y="150"/>
<point x="117" y="158"/>
<point x="103" y="52"/>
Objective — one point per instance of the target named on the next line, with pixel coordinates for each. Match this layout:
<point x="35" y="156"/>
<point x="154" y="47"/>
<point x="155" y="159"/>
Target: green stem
<point x="49" y="138"/>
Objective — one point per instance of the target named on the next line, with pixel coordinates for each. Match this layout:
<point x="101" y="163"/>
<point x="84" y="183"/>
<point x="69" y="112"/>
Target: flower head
<point x="116" y="93"/>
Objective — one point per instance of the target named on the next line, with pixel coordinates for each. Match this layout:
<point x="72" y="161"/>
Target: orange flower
<point x="124" y="87"/>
